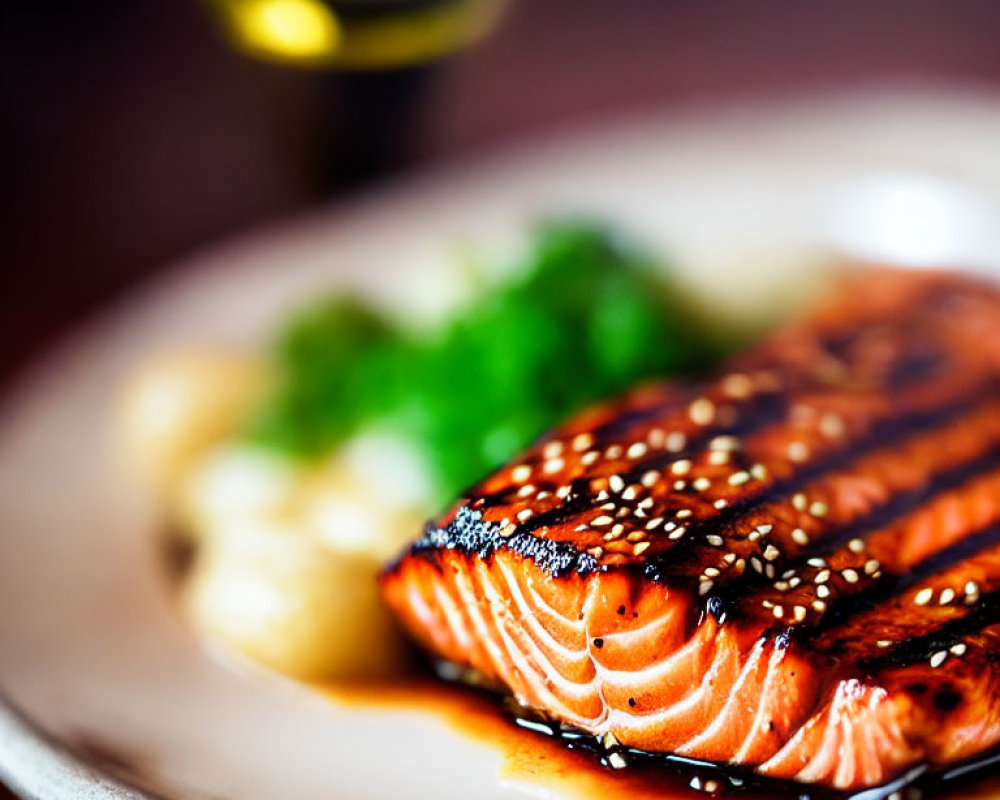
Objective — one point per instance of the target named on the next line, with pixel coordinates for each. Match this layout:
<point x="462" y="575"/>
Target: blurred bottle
<point x="355" y="34"/>
<point x="369" y="65"/>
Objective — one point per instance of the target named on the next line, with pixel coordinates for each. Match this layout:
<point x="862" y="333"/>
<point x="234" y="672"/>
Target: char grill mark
<point x="664" y="495"/>
<point x="944" y="588"/>
<point x="815" y="535"/>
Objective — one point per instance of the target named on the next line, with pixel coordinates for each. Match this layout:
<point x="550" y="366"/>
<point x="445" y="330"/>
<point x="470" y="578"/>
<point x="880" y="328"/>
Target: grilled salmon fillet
<point x="794" y="567"/>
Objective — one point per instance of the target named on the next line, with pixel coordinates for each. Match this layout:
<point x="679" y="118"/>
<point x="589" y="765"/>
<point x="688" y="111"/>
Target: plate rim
<point x="41" y="768"/>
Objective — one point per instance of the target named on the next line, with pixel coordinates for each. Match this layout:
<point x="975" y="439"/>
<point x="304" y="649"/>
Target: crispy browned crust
<point x="837" y="487"/>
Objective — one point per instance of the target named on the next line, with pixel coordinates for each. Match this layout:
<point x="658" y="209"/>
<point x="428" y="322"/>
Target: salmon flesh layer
<point x="794" y="567"/>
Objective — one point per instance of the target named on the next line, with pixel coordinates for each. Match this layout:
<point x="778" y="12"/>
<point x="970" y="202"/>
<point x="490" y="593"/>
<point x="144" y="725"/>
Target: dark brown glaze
<point x="835" y="493"/>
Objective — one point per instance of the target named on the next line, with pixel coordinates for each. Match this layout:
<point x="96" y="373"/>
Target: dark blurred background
<point x="133" y="134"/>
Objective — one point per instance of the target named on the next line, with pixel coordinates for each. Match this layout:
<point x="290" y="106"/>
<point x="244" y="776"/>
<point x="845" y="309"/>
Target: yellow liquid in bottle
<point x="355" y="35"/>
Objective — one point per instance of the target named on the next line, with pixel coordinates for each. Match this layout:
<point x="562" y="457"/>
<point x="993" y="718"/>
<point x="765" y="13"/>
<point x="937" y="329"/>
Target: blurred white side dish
<point x="286" y="554"/>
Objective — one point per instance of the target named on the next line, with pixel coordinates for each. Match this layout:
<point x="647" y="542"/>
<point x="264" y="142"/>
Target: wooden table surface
<point x="131" y="135"/>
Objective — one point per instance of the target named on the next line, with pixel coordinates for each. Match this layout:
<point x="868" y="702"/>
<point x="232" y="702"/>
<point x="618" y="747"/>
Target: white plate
<point x="92" y="652"/>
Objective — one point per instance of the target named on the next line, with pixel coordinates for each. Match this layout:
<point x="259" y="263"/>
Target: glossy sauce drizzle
<point x="574" y="764"/>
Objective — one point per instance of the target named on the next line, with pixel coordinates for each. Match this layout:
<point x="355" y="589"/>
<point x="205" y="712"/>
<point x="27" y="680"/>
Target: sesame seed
<point x="819" y="605"/>
<point x="725" y="444"/>
<point x="778" y="611"/>
<point x="711" y="786"/>
<point x="971" y="592"/>
<point x="799" y="502"/>
<point x="737" y="385"/>
<point x="507" y="530"/>
<point x="695" y="783"/>
<point x="712" y="572"/>
<point x="883" y="643"/>
<point x="636" y="536"/>
<point x="655" y="522"/>
<point x="615" y="483"/>
<point x="739" y="478"/>
<point x="872" y="565"/>
<point x="604" y="519"/>
<point x="676" y="442"/>
<point x="923" y="597"/>
<point x="684" y="513"/>
<point x="524" y="514"/>
<point x="680" y="486"/>
<point x="795" y="581"/>
<point x="617" y="761"/>
<point x="520" y="473"/>
<point x="656" y="437"/>
<point x="704" y="587"/>
<point x="800" y="537"/>
<point x="714" y="540"/>
<point x="542" y="495"/>
<point x="958" y="649"/>
<point x="682" y="467"/>
<point x="582" y="441"/>
<point x="579" y="528"/>
<point x="640" y="548"/>
<point x="596" y="552"/>
<point x="616" y="530"/>
<point x="563" y="492"/>
<point x="816" y="562"/>
<point x="589" y="458"/>
<point x="677" y="534"/>
<point x="798" y="452"/>
<point x="630" y="493"/>
<point x="758" y="471"/>
<point x="769" y="571"/>
<point x="525" y="490"/>
<point x="647" y="503"/>
<point x="771" y="552"/>
<point x="764" y="530"/>
<point x="947" y="595"/>
<point x="823" y="591"/>
<point x="850" y="575"/>
<point x="939" y="658"/>
<point x="822" y="576"/>
<point x="552" y="449"/>
<point x="721" y="503"/>
<point x="831" y="426"/>
<point x="799" y="613"/>
<point x="650" y="478"/>
<point x="624" y="512"/>
<point x="637" y="450"/>
<point x="613" y="452"/>
<point x="757" y="564"/>
<point x="702" y="411"/>
<point x="818" y="508"/>
<point x="701" y="484"/>
<point x="608" y="507"/>
<point x="718" y="457"/>
<point x="803" y="413"/>
<point x="781" y="586"/>
<point x="553" y="465"/>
